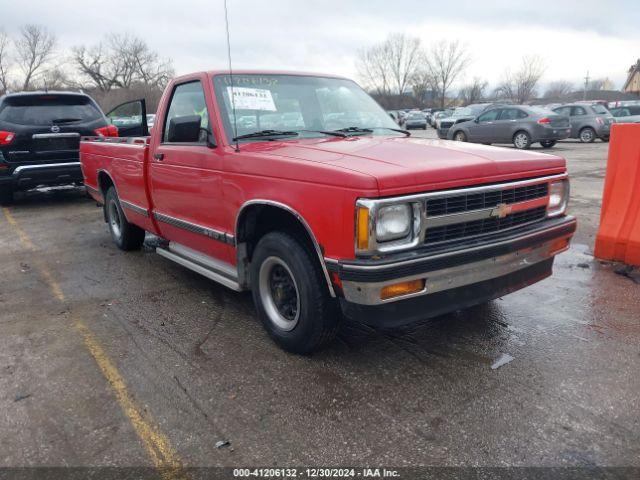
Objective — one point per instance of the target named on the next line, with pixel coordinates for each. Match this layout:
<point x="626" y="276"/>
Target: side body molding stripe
<point x="195" y="228"/>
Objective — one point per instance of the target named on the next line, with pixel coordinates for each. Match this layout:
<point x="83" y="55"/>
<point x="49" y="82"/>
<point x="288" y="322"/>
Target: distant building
<point x="632" y="85"/>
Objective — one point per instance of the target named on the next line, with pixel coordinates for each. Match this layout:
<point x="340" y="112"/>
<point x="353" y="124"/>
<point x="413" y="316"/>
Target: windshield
<point x="296" y="103"/>
<point x="47" y="110"/>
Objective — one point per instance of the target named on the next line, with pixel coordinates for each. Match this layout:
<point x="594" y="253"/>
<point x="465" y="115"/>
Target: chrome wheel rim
<point x="586" y="136"/>
<point x="279" y="293"/>
<point x="115" y="222"/>
<point x="521" y="140"/>
<point x="460" y="137"/>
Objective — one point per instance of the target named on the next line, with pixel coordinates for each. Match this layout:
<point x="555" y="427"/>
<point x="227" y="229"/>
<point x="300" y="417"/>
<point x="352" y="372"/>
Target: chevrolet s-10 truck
<point x="300" y="188"/>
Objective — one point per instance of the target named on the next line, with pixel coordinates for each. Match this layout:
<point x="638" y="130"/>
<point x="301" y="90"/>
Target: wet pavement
<point x="112" y="358"/>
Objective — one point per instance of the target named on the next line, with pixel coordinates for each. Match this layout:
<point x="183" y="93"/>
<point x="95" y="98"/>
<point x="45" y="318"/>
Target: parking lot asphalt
<point x="126" y="359"/>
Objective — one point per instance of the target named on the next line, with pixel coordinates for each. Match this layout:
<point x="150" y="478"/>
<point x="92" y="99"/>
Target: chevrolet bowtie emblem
<point x="501" y="210"/>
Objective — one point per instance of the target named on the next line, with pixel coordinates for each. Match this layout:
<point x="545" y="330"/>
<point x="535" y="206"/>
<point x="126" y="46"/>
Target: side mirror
<point x="184" y="129"/>
<point x="477" y="119"/>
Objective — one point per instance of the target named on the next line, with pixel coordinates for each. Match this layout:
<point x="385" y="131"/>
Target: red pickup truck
<point x="300" y="188"/>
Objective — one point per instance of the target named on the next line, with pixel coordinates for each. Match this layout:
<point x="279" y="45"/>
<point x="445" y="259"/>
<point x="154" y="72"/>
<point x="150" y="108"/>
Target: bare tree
<point x="520" y="87"/>
<point x="446" y="61"/>
<point x="474" y="92"/>
<point x="422" y="85"/>
<point x="389" y="67"/>
<point x="121" y="61"/>
<point x="34" y="48"/>
<point x="559" y="89"/>
<point x="4" y="61"/>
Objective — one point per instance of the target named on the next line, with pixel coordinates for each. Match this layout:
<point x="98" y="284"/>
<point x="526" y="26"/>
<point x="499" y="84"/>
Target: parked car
<point x="415" y="120"/>
<point x="40" y="138"/>
<point x="588" y="120"/>
<point x="440" y="116"/>
<point x="629" y="114"/>
<point x="362" y="222"/>
<point x="517" y="124"/>
<point x="459" y="115"/>
<point x="151" y="119"/>
<point x="431" y="119"/>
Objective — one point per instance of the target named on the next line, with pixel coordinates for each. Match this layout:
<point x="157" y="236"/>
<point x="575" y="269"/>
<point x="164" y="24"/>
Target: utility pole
<point x="586" y="84"/>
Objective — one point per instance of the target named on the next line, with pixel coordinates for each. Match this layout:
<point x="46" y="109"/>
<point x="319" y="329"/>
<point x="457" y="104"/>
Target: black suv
<point x="40" y="138"/>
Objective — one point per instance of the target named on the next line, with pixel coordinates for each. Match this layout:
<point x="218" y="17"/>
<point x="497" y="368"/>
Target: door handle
<point x="158" y="156"/>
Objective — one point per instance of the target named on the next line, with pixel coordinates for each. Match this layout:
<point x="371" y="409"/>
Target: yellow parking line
<point x="164" y="457"/>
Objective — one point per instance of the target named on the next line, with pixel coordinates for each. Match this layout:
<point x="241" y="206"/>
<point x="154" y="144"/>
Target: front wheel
<point x="548" y="143"/>
<point x="587" y="135"/>
<point x="460" y="136"/>
<point x="605" y="139"/>
<point x="522" y="140"/>
<point x="291" y="296"/>
<point x="125" y="235"/>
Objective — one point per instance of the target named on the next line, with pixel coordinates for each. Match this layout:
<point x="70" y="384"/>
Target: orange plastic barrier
<point x="619" y="233"/>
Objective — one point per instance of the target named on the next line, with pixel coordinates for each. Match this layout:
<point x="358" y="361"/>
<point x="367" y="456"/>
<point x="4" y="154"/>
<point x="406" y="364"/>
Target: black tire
<point x="587" y="135"/>
<point x="316" y="317"/>
<point x="460" y="136"/>
<point x="6" y="196"/>
<point x="125" y="235"/>
<point x="522" y="140"/>
<point x="548" y="143"/>
<point x="605" y="139"/>
<point x="424" y="128"/>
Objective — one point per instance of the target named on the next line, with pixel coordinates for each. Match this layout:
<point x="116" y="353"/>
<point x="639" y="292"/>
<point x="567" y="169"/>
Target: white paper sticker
<point x="252" y="99"/>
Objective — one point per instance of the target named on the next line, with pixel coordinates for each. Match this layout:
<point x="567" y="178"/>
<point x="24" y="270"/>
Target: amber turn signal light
<point x="363" y="228"/>
<point x="403" y="288"/>
<point x="558" y="246"/>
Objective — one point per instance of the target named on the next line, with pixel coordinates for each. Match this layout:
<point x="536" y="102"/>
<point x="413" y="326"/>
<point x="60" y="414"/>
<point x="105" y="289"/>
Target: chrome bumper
<point x="458" y="268"/>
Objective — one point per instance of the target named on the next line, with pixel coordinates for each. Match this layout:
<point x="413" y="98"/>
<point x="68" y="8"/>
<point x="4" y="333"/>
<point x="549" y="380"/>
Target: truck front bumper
<point x="25" y="177"/>
<point x="453" y="279"/>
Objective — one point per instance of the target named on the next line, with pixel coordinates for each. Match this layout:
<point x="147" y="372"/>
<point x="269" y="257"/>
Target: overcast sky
<point x="601" y="36"/>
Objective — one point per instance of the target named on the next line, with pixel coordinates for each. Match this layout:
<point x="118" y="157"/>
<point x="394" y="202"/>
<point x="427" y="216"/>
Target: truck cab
<point x="300" y="188"/>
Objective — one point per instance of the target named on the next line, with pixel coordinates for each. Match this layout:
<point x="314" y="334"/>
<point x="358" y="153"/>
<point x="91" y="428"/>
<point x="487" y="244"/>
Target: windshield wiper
<point x="266" y="134"/>
<point x="66" y="120"/>
<point x="358" y="130"/>
<point x="335" y="133"/>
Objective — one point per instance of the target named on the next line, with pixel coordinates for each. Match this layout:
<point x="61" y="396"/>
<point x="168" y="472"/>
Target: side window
<point x="512" y="114"/>
<point x="489" y="116"/>
<point x="563" y="111"/>
<point x="578" y="111"/>
<point x="188" y="101"/>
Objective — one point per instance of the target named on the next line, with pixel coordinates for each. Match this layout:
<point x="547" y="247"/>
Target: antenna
<point x="233" y="97"/>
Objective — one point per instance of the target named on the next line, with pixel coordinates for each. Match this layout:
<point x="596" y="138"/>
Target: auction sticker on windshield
<point x="252" y="98"/>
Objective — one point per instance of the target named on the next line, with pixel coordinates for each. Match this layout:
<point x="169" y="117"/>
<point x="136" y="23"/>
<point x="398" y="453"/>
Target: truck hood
<point x="409" y="164"/>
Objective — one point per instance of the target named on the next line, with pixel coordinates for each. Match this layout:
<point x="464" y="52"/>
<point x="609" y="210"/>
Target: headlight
<point x="393" y="222"/>
<point x="558" y="198"/>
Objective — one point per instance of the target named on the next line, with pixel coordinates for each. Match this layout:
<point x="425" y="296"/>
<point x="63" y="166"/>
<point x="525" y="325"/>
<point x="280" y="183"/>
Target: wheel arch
<point x="105" y="181"/>
<point x="248" y="232"/>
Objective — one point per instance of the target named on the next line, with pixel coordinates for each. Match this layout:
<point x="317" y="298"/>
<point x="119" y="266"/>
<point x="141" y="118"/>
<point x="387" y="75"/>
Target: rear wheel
<point x="125" y="235"/>
<point x="291" y="296"/>
<point x="547" y="143"/>
<point x="522" y="140"/>
<point x="460" y="136"/>
<point x="587" y="135"/>
<point x="6" y="196"/>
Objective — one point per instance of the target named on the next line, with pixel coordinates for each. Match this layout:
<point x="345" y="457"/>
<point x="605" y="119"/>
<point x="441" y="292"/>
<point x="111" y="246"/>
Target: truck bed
<point x="121" y="161"/>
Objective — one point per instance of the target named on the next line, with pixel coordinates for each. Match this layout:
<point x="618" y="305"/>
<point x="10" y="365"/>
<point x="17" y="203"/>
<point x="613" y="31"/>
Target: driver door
<point x="130" y="118"/>
<point x="483" y="127"/>
<point x="185" y="176"/>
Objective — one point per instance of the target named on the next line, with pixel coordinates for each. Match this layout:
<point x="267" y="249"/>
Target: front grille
<point x="477" y="201"/>
<point x="486" y="225"/>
